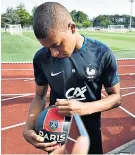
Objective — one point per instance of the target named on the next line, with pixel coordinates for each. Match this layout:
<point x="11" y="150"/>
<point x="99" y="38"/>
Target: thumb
<point x="33" y="135"/>
<point x="59" y="150"/>
<point x="60" y="100"/>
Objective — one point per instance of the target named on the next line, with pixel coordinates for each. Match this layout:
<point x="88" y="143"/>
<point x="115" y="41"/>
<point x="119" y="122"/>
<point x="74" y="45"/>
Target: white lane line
<point x="23" y="69"/>
<point x="121" y="95"/>
<point x="13" y="126"/>
<point x="128" y="88"/>
<point x="131" y="73"/>
<point x="16" y="94"/>
<point x="126" y="65"/>
<point x="21" y="94"/>
<point x="127" y="111"/>
<point x="30" y="62"/>
<point x="29" y="80"/>
<point x="33" y="78"/>
<point x="122" y="107"/>
<point x="16" y="125"/>
<point x="16" y="97"/>
<point x="127" y="74"/>
<point x="16" y="69"/>
<point x="123" y="88"/>
<point x="17" y="79"/>
<point x="71" y="139"/>
<point x="128" y="94"/>
<point x="32" y="69"/>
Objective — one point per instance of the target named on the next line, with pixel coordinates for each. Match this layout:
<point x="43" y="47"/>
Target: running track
<point x="118" y="125"/>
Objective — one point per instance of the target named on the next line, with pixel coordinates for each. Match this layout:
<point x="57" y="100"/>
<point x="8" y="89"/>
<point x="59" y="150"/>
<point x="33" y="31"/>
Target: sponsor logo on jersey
<point x="54" y="74"/>
<point x="76" y="93"/>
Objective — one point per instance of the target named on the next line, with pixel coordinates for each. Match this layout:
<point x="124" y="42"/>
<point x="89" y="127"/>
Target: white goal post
<point x="14" y="29"/>
<point x="116" y="28"/>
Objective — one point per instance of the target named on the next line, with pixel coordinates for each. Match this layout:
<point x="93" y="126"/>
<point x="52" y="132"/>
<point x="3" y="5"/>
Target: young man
<point x="75" y="67"/>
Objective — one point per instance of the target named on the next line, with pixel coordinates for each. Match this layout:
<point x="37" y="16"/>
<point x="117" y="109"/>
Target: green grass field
<point x="17" y="48"/>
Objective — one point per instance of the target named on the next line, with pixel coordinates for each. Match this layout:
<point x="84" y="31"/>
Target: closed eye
<point x="55" y="45"/>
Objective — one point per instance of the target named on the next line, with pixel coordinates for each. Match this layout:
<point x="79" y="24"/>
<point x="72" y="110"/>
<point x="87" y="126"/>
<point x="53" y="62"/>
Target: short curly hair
<point x="49" y="16"/>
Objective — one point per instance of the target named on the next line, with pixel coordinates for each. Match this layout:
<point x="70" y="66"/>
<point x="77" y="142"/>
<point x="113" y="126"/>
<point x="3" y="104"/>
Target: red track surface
<point x="118" y="127"/>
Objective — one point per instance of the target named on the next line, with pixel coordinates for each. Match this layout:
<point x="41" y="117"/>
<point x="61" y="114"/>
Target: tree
<point x="120" y="20"/>
<point x="2" y="20"/>
<point x="81" y="19"/>
<point x="102" y="20"/>
<point x="10" y="17"/>
<point x="87" y="23"/>
<point x="79" y="25"/>
<point x="25" y="17"/>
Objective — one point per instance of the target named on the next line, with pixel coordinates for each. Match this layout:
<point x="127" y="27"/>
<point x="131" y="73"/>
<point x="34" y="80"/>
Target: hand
<point x="80" y="147"/>
<point x="38" y="141"/>
<point x="69" y="107"/>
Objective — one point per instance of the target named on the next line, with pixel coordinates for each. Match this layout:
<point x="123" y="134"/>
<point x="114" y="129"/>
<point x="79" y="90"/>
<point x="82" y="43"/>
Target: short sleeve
<point x="40" y="78"/>
<point x="110" y="73"/>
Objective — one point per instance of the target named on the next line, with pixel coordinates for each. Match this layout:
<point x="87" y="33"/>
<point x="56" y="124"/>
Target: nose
<point x="54" y="52"/>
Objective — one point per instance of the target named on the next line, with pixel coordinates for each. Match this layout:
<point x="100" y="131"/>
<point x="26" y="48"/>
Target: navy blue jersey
<point x="80" y="76"/>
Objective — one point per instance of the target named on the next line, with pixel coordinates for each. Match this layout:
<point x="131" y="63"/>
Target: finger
<point x="59" y="150"/>
<point x="44" y="145"/>
<point x="61" y="107"/>
<point x="62" y="102"/>
<point x="65" y="113"/>
<point x="36" y="137"/>
<point x="51" y="148"/>
<point x="51" y="144"/>
<point x="60" y="99"/>
<point x="81" y="142"/>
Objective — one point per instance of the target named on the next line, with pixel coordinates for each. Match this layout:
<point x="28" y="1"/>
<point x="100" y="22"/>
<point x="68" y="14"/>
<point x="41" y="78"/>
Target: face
<point x="61" y="44"/>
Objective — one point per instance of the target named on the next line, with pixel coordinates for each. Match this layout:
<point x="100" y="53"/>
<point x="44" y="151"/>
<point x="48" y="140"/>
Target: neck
<point x="79" y="41"/>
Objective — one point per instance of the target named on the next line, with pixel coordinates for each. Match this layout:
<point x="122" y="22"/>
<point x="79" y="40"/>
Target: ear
<point x="72" y="26"/>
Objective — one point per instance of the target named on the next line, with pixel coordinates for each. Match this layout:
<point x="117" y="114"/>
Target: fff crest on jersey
<point x="54" y="124"/>
<point x="91" y="72"/>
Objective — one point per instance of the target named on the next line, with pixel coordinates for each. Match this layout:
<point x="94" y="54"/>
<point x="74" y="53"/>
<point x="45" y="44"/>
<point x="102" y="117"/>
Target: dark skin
<point x="81" y="142"/>
<point x="61" y="45"/>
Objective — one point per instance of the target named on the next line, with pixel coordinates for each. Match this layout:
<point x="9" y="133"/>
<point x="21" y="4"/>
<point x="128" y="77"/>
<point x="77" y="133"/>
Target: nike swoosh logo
<point x="54" y="74"/>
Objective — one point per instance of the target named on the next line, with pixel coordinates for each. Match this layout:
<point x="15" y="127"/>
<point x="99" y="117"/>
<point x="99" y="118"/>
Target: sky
<point x="92" y="8"/>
